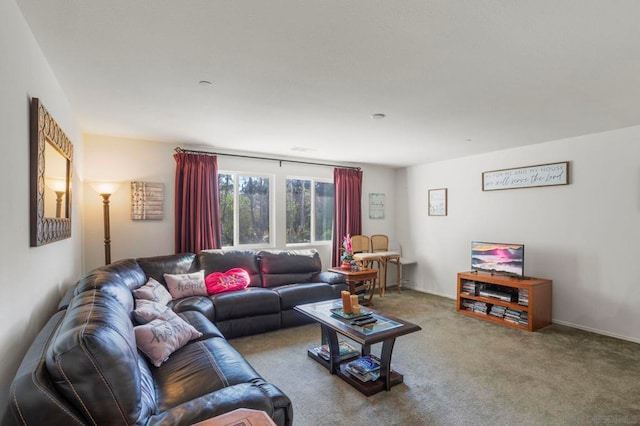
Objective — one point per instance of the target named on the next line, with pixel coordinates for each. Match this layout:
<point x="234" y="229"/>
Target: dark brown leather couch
<point x="84" y="366"/>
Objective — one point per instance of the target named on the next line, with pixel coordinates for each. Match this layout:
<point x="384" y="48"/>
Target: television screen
<point x="498" y="258"/>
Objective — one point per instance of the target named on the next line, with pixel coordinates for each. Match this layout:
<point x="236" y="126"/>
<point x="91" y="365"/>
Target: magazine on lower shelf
<point x="366" y="377"/>
<point x="365" y="368"/>
<point x="346" y="351"/>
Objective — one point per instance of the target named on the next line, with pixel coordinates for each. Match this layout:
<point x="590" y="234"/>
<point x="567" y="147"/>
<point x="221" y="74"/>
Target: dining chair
<point x="360" y="246"/>
<point x="360" y="243"/>
<point x="380" y="244"/>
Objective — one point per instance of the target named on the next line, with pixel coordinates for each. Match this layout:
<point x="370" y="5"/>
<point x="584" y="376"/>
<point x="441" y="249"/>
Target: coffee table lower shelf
<point x="366" y="388"/>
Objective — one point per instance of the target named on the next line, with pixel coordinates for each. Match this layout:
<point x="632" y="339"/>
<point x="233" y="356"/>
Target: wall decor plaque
<point x="376" y="205"/>
<point x="526" y="177"/>
<point x="147" y="200"/>
<point x="438" y="202"/>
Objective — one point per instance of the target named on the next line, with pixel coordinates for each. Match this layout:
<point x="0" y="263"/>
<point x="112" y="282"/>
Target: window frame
<point x="312" y="229"/>
<point x="236" y="210"/>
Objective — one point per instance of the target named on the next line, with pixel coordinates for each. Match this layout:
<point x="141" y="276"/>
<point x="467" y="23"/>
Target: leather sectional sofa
<point x="84" y="367"/>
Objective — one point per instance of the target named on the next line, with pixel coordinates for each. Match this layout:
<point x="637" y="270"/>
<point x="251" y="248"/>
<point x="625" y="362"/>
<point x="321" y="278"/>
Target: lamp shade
<point x="56" y="184"/>
<point x="105" y="187"/>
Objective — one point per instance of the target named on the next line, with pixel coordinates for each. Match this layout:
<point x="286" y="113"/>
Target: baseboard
<point x="554" y="321"/>
<point x="596" y="331"/>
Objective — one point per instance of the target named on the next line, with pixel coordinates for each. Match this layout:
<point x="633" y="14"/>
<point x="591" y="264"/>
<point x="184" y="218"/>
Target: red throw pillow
<point x="233" y="279"/>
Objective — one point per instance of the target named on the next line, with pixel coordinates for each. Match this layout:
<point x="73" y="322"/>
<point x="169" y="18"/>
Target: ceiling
<point x="302" y="78"/>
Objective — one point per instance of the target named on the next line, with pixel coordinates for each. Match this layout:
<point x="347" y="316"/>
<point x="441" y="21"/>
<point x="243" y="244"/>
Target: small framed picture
<point x="438" y="202"/>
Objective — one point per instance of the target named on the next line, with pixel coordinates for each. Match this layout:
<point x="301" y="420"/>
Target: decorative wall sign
<point x="438" y="202"/>
<point x="527" y="177"/>
<point x="147" y="200"/>
<point x="376" y="205"/>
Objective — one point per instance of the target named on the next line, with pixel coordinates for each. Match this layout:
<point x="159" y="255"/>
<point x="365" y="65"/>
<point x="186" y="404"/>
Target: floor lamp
<point x="59" y="186"/>
<point x="105" y="189"/>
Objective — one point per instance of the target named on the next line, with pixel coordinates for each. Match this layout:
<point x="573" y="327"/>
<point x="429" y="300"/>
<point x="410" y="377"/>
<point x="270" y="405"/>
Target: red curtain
<point x="347" y="217"/>
<point x="197" y="207"/>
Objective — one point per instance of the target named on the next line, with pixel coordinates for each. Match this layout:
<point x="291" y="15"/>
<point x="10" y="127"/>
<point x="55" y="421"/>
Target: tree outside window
<point x="309" y="211"/>
<point x="244" y="209"/>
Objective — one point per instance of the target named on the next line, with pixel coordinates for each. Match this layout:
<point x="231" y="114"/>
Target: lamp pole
<point x="107" y="231"/>
<point x="59" y="195"/>
<point x="105" y="189"/>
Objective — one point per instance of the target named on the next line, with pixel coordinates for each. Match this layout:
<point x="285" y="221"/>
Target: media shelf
<point x="522" y="303"/>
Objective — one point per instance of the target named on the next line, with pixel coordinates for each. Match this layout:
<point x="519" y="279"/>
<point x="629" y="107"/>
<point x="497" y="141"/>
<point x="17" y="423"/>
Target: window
<point x="244" y="209"/>
<point x="309" y="211"/>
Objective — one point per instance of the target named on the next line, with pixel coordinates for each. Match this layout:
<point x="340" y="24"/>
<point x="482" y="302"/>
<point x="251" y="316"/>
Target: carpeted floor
<point x="461" y="371"/>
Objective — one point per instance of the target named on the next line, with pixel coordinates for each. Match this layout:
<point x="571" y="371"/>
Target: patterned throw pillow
<point x="161" y="337"/>
<point x="153" y="291"/>
<point x="183" y="285"/>
<point x="233" y="279"/>
<point x="146" y="311"/>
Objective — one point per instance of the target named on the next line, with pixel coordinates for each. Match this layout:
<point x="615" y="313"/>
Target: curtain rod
<point x="178" y="149"/>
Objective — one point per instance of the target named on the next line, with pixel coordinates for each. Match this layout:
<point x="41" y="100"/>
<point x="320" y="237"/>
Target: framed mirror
<point x="51" y="164"/>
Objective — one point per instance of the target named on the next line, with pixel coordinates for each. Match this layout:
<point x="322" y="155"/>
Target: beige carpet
<point x="461" y="371"/>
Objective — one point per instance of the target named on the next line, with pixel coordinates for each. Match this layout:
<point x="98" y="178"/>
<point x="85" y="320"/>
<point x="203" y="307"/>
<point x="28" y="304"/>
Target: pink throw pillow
<point x="232" y="280"/>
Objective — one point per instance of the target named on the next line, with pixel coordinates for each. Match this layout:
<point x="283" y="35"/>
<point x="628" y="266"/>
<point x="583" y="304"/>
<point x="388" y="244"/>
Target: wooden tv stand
<point x="529" y="307"/>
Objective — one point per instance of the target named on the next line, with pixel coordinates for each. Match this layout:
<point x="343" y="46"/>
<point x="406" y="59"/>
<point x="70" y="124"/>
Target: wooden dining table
<point x="382" y="258"/>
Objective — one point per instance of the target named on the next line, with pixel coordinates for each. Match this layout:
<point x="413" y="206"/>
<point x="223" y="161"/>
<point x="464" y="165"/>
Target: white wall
<point x="584" y="236"/>
<point x="32" y="279"/>
<point x="124" y="160"/>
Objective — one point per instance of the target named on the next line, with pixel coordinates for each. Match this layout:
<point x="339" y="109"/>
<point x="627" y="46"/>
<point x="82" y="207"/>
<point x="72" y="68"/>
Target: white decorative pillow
<point x="184" y="285"/>
<point x="161" y="337"/>
<point x="146" y="311"/>
<point x="153" y="291"/>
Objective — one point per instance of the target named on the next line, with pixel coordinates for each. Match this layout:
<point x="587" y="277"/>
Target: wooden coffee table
<point x="354" y="277"/>
<point x="385" y="330"/>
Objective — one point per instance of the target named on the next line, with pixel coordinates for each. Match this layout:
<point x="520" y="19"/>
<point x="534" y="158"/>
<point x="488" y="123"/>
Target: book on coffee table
<point x="366" y="368"/>
<point x="346" y="351"/>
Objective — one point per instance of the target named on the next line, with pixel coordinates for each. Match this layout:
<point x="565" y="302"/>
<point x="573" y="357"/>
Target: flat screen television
<point x="498" y="258"/>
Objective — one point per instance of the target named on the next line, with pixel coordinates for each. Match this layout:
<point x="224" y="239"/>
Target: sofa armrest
<point x="243" y="395"/>
<point x="201" y="304"/>
<point x="202" y="324"/>
<point x="328" y="277"/>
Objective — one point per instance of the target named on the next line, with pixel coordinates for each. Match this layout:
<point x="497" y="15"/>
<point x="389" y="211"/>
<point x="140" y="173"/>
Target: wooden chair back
<point x="379" y="242"/>
<point x="360" y="243"/>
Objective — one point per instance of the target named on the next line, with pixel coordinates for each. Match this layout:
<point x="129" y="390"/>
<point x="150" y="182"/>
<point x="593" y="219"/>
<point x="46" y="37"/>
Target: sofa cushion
<point x="161" y="337"/>
<point x="184" y="285"/>
<point x="202" y="367"/>
<point x="202" y="304"/>
<point x="153" y="291"/>
<point x="231" y="280"/>
<point x="223" y="260"/>
<point x="299" y="294"/>
<point x="252" y="301"/>
<point x="201" y="323"/>
<point x="93" y="360"/>
<point x="108" y="283"/>
<point x="242" y="395"/>
<point x="155" y="267"/>
<point x="33" y="397"/>
<point x="129" y="272"/>
<point x="280" y="267"/>
<point x="249" y="326"/>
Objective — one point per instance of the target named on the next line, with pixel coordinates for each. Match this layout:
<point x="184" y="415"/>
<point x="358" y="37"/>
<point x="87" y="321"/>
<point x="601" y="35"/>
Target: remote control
<point x="360" y="319"/>
<point x="364" y="321"/>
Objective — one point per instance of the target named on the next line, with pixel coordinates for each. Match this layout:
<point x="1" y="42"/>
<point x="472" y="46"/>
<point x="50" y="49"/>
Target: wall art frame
<point x="438" y="202"/>
<point x="550" y="174"/>
<point x="48" y="141"/>
<point x="376" y="205"/>
<point x="147" y="201"/>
